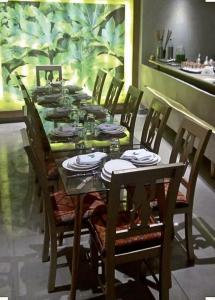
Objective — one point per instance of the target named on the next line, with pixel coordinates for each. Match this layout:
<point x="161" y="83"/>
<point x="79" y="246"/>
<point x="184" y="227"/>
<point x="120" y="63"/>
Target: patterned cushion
<point x="97" y="225"/>
<point x="181" y="200"/>
<point x="64" y="206"/>
<point x="52" y="170"/>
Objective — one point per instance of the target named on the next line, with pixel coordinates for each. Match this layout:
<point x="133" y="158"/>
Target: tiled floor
<point x="24" y="276"/>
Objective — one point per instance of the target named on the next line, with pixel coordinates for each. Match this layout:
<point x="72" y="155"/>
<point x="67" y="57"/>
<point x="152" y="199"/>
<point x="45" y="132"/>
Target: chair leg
<point x="189" y="237"/>
<point x="46" y="241"/>
<point x="53" y="265"/>
<point x="165" y="281"/>
<point x="93" y="256"/>
<point x="109" y="280"/>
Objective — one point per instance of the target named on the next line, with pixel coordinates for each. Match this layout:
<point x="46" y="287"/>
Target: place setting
<point x="98" y="111"/>
<point x="52" y="100"/>
<point x="64" y="133"/>
<point x="115" y="165"/>
<point x="141" y="157"/>
<point x="84" y="163"/>
<point x="113" y="130"/>
<point x="61" y="114"/>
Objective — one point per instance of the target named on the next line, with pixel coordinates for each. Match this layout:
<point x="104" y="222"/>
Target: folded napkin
<point x="58" y="113"/>
<point x="46" y="100"/>
<point x="73" y="88"/>
<point x="54" y="96"/>
<point x="81" y="96"/>
<point x="96" y="110"/>
<point x="108" y="127"/>
<point x="65" y="131"/>
<point x="90" y="159"/>
<point x="139" y="155"/>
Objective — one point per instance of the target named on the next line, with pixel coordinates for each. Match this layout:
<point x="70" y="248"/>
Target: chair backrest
<point x="25" y="94"/>
<point x="146" y="183"/>
<point x="131" y="105"/>
<point x="154" y="125"/>
<point x="189" y="136"/>
<point x="51" y="72"/>
<point x="113" y="95"/>
<point x="32" y="119"/>
<point x="38" y="162"/>
<point x="98" y="86"/>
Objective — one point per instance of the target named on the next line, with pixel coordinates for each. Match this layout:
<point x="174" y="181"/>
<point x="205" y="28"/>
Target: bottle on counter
<point x="199" y="59"/>
<point x="206" y="62"/>
<point x="170" y="50"/>
<point x="159" y="50"/>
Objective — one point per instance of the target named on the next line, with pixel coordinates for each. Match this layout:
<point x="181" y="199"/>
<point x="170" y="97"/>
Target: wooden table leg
<point x="76" y="247"/>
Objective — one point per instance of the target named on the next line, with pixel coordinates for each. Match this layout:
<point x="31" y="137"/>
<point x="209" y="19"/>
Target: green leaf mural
<point x="80" y="37"/>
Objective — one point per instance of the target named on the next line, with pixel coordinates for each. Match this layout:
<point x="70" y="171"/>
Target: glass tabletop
<point x="82" y="182"/>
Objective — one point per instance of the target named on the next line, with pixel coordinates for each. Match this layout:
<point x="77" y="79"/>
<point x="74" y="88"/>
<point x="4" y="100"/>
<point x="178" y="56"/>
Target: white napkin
<point x="91" y="158"/>
<point x="65" y="131"/>
<point x="108" y="127"/>
<point x="139" y="155"/>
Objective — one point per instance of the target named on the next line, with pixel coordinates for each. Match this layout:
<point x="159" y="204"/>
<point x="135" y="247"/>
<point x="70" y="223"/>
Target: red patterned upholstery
<point x="181" y="200"/>
<point x="52" y="170"/>
<point x="97" y="225"/>
<point x="64" y="206"/>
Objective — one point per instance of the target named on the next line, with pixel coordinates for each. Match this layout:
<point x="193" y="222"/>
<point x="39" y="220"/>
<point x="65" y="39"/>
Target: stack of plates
<point x="115" y="165"/>
<point x="64" y="132"/>
<point x="60" y="113"/>
<point x="84" y="163"/>
<point x="141" y="157"/>
<point x="112" y="129"/>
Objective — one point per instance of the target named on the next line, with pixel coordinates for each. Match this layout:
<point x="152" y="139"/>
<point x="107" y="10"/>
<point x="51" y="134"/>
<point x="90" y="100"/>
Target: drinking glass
<point x="115" y="145"/>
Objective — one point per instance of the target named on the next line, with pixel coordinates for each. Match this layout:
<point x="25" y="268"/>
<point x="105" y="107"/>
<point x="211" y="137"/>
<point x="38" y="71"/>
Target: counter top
<point x="204" y="82"/>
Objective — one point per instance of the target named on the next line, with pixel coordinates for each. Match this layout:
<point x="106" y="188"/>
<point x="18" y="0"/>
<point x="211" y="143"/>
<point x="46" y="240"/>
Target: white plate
<point x="69" y="164"/>
<point x="192" y="70"/>
<point x="110" y="127"/>
<point x="105" y="178"/>
<point x="117" y="165"/>
<point x="113" y="131"/>
<point x="105" y="173"/>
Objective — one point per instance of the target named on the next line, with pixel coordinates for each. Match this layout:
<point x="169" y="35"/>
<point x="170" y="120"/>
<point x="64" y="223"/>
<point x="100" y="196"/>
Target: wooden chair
<point x="131" y="105"/>
<point x="154" y="125"/>
<point x="51" y="72"/>
<point x="189" y="147"/>
<point x="31" y="117"/>
<point x="124" y="236"/>
<point x="113" y="94"/>
<point x="59" y="212"/>
<point x="98" y="86"/>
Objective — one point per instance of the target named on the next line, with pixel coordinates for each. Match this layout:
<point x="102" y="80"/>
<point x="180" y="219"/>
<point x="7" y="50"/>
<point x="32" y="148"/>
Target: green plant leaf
<point x="108" y="61"/>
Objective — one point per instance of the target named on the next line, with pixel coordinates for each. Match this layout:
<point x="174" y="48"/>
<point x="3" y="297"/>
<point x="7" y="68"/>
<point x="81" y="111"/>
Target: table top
<point x="82" y="182"/>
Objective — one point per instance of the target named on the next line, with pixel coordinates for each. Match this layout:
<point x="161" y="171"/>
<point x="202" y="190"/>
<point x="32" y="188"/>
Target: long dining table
<point x="80" y="183"/>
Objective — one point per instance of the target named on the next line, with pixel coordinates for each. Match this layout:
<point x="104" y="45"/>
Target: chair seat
<point x="97" y="226"/>
<point x="64" y="206"/>
<point x="181" y="200"/>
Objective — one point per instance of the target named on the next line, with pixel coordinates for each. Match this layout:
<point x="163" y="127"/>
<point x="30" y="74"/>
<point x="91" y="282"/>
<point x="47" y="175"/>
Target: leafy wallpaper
<point x="80" y="37"/>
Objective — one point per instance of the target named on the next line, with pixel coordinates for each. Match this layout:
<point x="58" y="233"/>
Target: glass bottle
<point x="170" y="50"/>
<point x="159" y="50"/>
